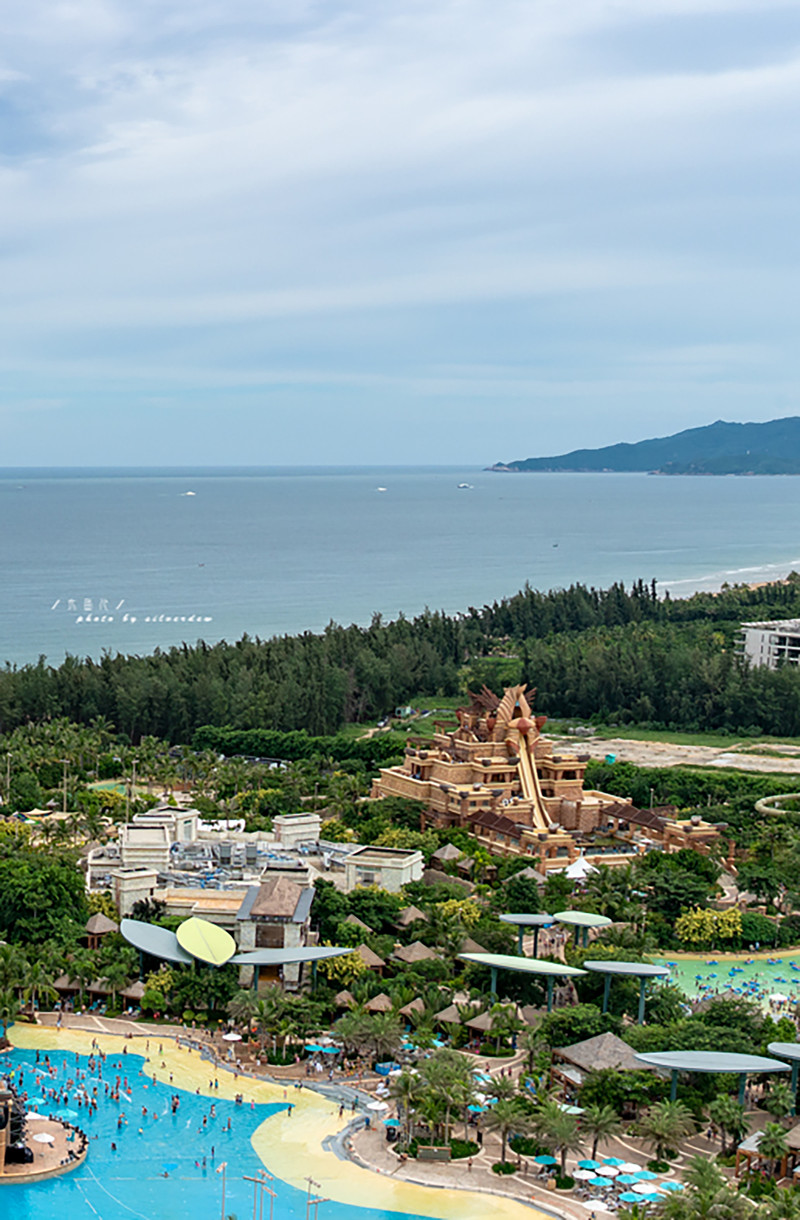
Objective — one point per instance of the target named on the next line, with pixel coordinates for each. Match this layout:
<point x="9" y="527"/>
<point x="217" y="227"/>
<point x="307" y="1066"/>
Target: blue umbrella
<point x="644" y="1175"/>
<point x="652" y="1198"/>
<point x="612" y="1160"/>
<point x="600" y="1182"/>
<point x="331" y="1050"/>
<point x="66" y="1113"/>
<point x="628" y="1196"/>
<point x="477" y="1109"/>
<point x="627" y="1179"/>
<point x="588" y="1164"/>
<point x="671" y="1185"/>
<point x="545" y="1160"/>
<point x="313" y="1048"/>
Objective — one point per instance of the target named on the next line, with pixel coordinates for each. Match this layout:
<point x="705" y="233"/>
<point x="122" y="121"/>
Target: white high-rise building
<point x="771" y="644"/>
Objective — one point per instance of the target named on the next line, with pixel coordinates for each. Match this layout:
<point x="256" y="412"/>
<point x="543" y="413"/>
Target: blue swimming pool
<point x="128" y="1182"/>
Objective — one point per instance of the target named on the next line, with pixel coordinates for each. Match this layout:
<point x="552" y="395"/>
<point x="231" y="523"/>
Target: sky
<point x="428" y="231"/>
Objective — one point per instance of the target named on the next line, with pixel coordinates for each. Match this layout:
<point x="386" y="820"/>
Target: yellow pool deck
<point x="289" y="1147"/>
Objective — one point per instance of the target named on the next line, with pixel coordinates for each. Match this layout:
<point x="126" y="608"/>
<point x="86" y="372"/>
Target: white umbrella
<point x="778" y="998"/>
<point x="607" y="1171"/>
<point x="595" y="1205"/>
<point x="43" y="1138"/>
<point x="32" y="1117"/>
<point x="231" y="1037"/>
<point x="377" y="1105"/>
<point x="646" y="1188"/>
<point x="628" y="1167"/>
<point x="583" y="1175"/>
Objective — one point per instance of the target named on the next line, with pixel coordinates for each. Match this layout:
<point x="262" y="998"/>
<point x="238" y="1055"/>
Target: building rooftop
<point x="602" y="1051"/>
<point x="276" y="897"/>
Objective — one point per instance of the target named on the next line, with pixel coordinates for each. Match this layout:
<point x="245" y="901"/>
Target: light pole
<point x="260" y="1184"/>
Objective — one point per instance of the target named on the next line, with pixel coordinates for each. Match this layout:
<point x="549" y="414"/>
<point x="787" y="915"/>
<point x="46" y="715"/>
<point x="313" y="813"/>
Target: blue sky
<point x="424" y="231"/>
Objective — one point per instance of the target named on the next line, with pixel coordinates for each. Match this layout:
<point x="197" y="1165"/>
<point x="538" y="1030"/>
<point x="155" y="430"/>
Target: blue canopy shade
<point x="158" y="942"/>
<point x="283" y="957"/>
<point x="628" y="1196"/>
<point x="545" y="1160"/>
<point x="589" y="1164"/>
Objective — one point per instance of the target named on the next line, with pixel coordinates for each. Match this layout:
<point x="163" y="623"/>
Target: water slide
<point x="530" y="786"/>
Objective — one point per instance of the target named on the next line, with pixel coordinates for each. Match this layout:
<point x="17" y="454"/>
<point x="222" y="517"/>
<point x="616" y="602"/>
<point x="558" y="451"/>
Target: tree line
<point x="617" y="653"/>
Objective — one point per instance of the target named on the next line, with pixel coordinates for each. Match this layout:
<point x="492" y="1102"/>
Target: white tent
<point x="579" y="869"/>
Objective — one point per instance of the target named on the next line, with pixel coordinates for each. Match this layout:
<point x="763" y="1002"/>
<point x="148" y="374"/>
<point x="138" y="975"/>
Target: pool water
<point x="756" y="979"/>
<point x="129" y="1182"/>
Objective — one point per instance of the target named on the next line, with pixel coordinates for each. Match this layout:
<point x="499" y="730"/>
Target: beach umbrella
<point x="671" y="1185"/>
<point x="331" y="1050"/>
<point x="36" y="1118"/>
<point x="231" y="1037"/>
<point x="588" y="1164"/>
<point x="604" y="1183"/>
<point x="629" y="1167"/>
<point x="628" y="1196"/>
<point x="43" y="1138"/>
<point x="377" y="1105"/>
<point x="66" y="1113"/>
<point x="608" y="1171"/>
<point x="596" y="1205"/>
<point x="627" y="1179"/>
<point x="477" y="1109"/>
<point x="644" y="1188"/>
<point x="312" y="1048"/>
<point x="644" y="1175"/>
<point x="652" y="1197"/>
<point x="544" y="1159"/>
<point x="613" y="1160"/>
<point x="778" y="997"/>
<point x="583" y="1175"/>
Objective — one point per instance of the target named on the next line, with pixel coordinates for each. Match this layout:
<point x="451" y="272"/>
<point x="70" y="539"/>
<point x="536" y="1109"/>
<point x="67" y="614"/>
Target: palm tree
<point x="116" y="975"/>
<point x="37" y="982"/>
<point x="82" y="969"/>
<point x="507" y="1118"/>
<point x="558" y="1130"/>
<point x="386" y="1035"/>
<point x="407" y="1090"/>
<point x="601" y="1123"/>
<point x="9" y="1007"/>
<point x="773" y="1146"/>
<point x="505" y="1022"/>
<point x="729" y="1116"/>
<point x="780" y="1102"/>
<point x="664" y="1124"/>
<point x="243" y="1007"/>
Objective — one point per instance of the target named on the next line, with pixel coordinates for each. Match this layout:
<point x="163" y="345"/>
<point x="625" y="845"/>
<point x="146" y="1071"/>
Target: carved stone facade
<point x="493" y="773"/>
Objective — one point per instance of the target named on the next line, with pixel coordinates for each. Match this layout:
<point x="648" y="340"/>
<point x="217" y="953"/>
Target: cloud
<point x="359" y="197"/>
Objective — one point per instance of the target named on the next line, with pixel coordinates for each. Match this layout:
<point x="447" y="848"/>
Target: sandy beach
<point x="290" y="1146"/>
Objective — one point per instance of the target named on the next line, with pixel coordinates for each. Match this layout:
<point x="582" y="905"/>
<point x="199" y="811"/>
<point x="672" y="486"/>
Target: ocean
<point x="130" y="560"/>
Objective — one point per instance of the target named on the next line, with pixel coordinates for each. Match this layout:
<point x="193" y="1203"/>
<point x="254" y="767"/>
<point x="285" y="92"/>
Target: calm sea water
<point x="287" y="550"/>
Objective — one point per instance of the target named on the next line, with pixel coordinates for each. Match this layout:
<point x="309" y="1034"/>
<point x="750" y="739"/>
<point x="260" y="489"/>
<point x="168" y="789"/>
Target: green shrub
<point x="459" y="1149"/>
<point x="566" y="1183"/>
<point x="503" y="1167"/>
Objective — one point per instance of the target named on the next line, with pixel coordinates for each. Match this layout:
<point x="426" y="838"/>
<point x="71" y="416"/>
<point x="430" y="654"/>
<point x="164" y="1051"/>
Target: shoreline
<point x="297" y="1141"/>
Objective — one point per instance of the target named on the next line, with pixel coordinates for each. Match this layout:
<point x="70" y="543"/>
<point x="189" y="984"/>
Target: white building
<point x="132" y="885"/>
<point x="294" y="829"/>
<point x="771" y="644"/>
<point x="145" y="847"/>
<point x="181" y="824"/>
<point x="390" y="868"/>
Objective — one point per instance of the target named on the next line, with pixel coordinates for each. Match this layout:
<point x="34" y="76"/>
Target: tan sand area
<point x="290" y="1147"/>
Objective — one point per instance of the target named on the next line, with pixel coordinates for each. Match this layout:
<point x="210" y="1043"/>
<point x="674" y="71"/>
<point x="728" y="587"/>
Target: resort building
<point x="494" y="774"/>
<point x="390" y="868"/>
<point x="275" y="915"/>
<point x="771" y="644"/>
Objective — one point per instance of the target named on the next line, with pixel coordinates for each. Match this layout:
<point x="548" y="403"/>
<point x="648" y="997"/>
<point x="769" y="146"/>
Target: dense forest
<point x="617" y="654"/>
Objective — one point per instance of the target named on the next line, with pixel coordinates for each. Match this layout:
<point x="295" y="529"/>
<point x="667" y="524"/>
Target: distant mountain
<point x="719" y="448"/>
